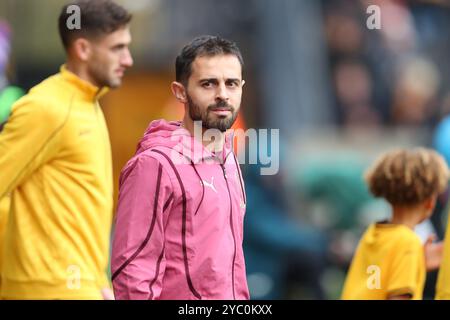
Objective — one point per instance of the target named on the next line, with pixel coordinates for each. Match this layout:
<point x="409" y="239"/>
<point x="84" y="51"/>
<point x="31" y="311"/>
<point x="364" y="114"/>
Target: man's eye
<point x="233" y="84"/>
<point x="118" y="48"/>
<point x="207" y="85"/>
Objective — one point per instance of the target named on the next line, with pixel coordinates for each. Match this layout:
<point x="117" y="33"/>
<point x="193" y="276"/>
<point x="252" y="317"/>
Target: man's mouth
<point x="120" y="72"/>
<point x="221" y="111"/>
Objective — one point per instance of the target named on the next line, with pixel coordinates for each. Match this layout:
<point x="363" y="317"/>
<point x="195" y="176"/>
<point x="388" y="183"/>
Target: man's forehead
<point x="120" y="35"/>
<point x="217" y="66"/>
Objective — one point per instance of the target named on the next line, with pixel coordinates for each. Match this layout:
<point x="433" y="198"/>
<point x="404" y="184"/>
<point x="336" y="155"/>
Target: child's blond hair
<point x="408" y="177"/>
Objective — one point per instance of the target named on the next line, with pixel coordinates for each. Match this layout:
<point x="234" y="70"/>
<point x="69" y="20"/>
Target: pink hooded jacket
<point x="179" y="223"/>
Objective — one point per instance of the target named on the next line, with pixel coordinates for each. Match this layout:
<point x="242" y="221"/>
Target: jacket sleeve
<point x="28" y="140"/>
<point x="138" y="261"/>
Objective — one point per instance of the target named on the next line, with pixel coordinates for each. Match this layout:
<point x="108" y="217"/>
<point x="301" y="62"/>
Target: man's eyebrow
<point x="215" y="79"/>
<point x="209" y="80"/>
<point x="120" y="45"/>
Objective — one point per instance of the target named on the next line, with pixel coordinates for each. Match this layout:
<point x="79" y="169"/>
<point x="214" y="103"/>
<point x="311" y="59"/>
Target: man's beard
<point x="101" y="78"/>
<point x="209" y="121"/>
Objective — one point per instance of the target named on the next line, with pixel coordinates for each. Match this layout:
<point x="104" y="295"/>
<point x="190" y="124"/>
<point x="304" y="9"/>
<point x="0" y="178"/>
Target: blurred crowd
<point x="395" y="76"/>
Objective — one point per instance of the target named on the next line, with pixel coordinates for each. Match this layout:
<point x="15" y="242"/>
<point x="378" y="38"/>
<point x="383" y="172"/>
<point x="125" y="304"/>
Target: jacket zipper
<point x="231" y="226"/>
<point x="103" y="136"/>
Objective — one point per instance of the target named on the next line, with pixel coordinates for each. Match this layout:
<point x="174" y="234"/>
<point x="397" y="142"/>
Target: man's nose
<point x="222" y="93"/>
<point x="127" y="59"/>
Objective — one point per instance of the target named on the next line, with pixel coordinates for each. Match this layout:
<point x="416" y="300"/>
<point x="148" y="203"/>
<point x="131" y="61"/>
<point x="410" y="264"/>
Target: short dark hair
<point x="98" y="17"/>
<point x="203" y="46"/>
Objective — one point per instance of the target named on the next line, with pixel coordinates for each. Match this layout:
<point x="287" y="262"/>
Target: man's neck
<point x="80" y="72"/>
<point x="213" y="144"/>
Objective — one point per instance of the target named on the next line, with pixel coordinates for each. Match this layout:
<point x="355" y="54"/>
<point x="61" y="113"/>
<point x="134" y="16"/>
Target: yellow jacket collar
<point x="87" y="89"/>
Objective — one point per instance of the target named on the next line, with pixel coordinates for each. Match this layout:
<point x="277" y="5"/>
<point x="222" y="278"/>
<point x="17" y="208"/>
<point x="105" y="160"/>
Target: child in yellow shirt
<point x="390" y="261"/>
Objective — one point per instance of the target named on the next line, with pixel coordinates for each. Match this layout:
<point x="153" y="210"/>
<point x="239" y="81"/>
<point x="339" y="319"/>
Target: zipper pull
<point x="224" y="171"/>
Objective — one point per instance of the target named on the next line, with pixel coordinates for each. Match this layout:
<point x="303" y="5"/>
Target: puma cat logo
<point x="209" y="185"/>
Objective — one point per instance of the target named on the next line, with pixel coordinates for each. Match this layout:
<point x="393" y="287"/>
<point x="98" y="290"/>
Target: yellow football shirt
<point x="389" y="261"/>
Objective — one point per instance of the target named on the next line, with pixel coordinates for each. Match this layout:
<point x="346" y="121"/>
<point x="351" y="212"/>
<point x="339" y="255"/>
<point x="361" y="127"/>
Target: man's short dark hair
<point x="97" y="17"/>
<point x="203" y="46"/>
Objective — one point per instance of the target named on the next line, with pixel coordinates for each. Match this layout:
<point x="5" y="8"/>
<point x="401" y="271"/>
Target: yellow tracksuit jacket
<point x="55" y="165"/>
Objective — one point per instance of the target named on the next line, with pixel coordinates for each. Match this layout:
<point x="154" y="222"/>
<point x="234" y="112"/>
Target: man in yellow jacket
<point x="55" y="164"/>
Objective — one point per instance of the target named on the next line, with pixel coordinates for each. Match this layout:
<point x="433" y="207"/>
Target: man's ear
<point x="179" y="91"/>
<point x="243" y="82"/>
<point x="82" y="49"/>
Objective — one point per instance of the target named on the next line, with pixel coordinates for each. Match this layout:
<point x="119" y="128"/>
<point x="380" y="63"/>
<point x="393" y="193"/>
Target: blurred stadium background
<point x="339" y="93"/>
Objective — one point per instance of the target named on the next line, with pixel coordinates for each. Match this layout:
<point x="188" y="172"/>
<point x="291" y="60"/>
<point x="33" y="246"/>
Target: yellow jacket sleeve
<point x="28" y="140"/>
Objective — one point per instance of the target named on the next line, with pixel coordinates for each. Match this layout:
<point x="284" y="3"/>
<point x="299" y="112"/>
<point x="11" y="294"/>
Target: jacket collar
<point x="194" y="150"/>
<point x="86" y="89"/>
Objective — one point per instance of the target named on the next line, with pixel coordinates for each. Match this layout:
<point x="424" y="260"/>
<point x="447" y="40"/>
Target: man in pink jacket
<point x="179" y="222"/>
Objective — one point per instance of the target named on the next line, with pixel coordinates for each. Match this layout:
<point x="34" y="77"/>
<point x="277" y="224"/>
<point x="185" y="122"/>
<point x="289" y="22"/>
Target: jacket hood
<point x="171" y="134"/>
